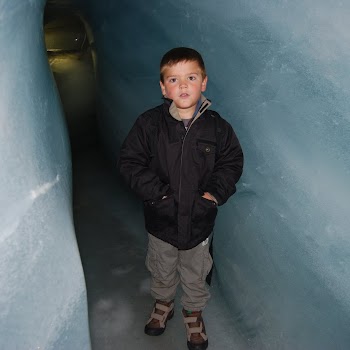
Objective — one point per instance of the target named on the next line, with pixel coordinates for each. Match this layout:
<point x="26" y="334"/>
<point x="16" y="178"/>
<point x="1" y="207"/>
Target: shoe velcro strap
<point x="204" y="336"/>
<point x="190" y="319"/>
<point x="161" y="318"/>
<point x="193" y="330"/>
<point x="164" y="308"/>
<point x="158" y="317"/>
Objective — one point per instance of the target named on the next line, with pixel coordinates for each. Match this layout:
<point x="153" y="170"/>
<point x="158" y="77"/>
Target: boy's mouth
<point x="184" y="95"/>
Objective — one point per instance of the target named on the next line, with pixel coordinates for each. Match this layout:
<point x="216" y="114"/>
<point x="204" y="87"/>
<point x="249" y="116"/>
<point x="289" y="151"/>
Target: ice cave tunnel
<point x="74" y="76"/>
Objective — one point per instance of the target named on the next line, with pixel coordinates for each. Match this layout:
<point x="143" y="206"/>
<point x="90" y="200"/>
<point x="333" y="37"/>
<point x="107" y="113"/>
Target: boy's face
<point x="184" y="83"/>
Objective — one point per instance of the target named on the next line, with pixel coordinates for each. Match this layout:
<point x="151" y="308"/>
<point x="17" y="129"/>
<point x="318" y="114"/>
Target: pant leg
<point x="194" y="266"/>
<point x="161" y="261"/>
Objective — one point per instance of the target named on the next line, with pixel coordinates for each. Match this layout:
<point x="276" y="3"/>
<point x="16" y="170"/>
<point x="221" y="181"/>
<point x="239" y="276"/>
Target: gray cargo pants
<point x="169" y="265"/>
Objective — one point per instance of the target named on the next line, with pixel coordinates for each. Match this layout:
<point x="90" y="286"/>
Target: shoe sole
<point x="202" y="346"/>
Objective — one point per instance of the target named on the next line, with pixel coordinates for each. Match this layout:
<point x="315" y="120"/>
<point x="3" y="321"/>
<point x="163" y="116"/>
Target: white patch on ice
<point x="10" y="218"/>
<point x="104" y="305"/>
<point x="145" y="286"/>
<point x="122" y="270"/>
<point x="39" y="191"/>
<point x="112" y="316"/>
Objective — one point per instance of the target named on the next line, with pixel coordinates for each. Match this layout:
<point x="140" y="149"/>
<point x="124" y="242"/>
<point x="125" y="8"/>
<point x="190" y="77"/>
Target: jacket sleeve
<point x="134" y="160"/>
<point x="228" y="166"/>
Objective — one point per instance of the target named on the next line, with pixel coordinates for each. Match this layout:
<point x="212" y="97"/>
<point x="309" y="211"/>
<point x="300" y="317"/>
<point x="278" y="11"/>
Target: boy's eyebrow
<point x="174" y="75"/>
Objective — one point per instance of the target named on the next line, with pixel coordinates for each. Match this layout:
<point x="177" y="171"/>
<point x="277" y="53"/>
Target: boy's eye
<point x="192" y="77"/>
<point x="172" y="80"/>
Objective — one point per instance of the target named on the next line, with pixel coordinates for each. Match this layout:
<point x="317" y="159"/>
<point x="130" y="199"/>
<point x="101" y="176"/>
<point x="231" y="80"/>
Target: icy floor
<point x="112" y="242"/>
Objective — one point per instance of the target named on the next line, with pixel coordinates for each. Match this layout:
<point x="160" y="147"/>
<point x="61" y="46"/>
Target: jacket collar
<point x="205" y="104"/>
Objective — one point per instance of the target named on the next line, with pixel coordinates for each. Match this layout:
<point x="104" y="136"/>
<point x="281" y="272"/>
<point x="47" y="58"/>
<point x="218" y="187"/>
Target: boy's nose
<point x="183" y="83"/>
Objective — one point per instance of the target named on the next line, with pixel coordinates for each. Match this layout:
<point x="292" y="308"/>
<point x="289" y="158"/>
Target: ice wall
<point x="279" y="72"/>
<point x="42" y="288"/>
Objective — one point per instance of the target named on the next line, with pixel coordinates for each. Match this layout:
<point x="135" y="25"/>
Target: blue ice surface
<point x="42" y="289"/>
<point x="279" y="73"/>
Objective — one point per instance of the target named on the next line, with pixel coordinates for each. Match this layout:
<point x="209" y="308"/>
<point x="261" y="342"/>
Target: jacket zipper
<point x="201" y="110"/>
<point x="182" y="152"/>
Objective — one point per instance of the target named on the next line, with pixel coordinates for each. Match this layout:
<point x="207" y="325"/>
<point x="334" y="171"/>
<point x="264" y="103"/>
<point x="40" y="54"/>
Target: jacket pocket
<point x="160" y="214"/>
<point x="204" y="157"/>
<point x="207" y="149"/>
<point x="204" y="210"/>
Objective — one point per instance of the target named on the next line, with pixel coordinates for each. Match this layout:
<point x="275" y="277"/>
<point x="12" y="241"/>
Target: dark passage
<point x="70" y="54"/>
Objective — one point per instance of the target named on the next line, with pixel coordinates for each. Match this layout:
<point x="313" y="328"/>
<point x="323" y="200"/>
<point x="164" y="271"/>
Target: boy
<point x="183" y="160"/>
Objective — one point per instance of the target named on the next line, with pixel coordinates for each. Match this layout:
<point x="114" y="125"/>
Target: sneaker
<point x="196" y="336"/>
<point x="162" y="312"/>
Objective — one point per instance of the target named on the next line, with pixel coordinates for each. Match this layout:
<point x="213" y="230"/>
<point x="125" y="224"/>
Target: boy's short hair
<point x="181" y="54"/>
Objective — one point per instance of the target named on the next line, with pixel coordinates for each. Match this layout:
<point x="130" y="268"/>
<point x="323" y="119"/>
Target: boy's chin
<point x="185" y="105"/>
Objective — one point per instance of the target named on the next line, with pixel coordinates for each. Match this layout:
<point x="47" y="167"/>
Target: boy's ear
<point x="204" y="84"/>
<point x="162" y="88"/>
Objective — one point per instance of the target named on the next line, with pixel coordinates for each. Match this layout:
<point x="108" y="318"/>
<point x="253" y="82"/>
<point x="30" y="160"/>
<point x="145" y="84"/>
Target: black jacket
<point x="159" y="158"/>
